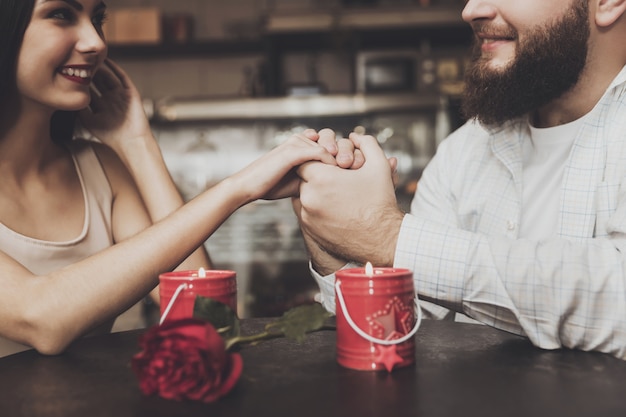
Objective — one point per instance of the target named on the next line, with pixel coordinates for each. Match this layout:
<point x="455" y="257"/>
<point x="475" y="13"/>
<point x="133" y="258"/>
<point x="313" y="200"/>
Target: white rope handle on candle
<point x="171" y="303"/>
<point x="369" y="337"/>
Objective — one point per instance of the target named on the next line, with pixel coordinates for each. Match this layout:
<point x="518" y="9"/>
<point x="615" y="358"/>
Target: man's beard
<point x="546" y="65"/>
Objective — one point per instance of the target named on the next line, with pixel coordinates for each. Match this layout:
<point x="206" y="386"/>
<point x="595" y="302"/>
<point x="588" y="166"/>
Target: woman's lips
<point x="77" y="74"/>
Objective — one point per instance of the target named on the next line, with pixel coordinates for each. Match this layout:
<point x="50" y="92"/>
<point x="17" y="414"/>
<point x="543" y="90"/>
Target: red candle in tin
<point x="377" y="317"/>
<point x="178" y="290"/>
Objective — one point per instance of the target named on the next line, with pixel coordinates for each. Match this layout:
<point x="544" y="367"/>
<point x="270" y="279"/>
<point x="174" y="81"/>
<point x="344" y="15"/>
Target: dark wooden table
<point x="461" y="370"/>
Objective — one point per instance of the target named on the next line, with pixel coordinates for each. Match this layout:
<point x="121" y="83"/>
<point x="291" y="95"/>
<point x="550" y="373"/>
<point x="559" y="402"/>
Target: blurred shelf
<point x="344" y="31"/>
<point x="364" y="19"/>
<point x="183" y="110"/>
<point x="376" y="23"/>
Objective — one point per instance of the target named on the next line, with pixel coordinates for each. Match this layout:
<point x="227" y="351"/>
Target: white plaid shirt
<point x="461" y="238"/>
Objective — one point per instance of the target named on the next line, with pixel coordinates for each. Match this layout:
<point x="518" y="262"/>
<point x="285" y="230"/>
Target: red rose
<point x="186" y="359"/>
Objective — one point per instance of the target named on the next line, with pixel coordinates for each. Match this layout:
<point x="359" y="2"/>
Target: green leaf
<point x="299" y="321"/>
<point x="220" y="315"/>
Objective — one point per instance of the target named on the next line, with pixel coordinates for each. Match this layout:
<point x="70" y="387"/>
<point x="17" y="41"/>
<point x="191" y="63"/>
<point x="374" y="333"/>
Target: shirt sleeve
<point x="555" y="292"/>
<point x="326" y="283"/>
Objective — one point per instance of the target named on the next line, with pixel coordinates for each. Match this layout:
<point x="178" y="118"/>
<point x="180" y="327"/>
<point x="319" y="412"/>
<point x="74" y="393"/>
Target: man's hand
<point x="352" y="213"/>
<point x="322" y="261"/>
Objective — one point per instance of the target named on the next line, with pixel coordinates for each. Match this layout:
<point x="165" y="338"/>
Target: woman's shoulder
<point x="107" y="157"/>
<point x="95" y="153"/>
<point x="81" y="145"/>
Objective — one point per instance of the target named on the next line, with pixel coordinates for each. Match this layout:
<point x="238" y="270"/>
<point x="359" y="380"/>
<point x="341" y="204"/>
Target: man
<point x="519" y="221"/>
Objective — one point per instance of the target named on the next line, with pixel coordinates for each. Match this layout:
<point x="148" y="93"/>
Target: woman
<point x="85" y="228"/>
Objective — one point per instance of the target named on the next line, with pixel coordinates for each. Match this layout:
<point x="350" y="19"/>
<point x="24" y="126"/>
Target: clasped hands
<point x="347" y="209"/>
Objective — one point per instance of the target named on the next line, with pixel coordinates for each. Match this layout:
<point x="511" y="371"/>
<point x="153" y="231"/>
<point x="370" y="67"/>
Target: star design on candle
<point x="388" y="356"/>
<point x="391" y="322"/>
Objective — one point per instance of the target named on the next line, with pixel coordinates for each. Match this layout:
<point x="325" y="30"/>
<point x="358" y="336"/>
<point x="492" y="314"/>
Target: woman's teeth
<point x="76" y="72"/>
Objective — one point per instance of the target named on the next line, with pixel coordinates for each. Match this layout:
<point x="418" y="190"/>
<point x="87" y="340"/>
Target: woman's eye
<point x="62" y="14"/>
<point x="99" y="19"/>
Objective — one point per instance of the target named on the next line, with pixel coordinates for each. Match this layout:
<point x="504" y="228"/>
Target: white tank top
<point x="42" y="257"/>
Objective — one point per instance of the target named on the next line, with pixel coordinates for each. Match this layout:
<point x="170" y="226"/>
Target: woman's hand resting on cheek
<point x="116" y="115"/>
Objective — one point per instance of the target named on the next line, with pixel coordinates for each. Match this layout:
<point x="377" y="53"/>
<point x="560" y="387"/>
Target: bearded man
<point x="519" y="221"/>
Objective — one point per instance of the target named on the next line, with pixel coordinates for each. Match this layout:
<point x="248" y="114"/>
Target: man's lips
<point x="490" y="42"/>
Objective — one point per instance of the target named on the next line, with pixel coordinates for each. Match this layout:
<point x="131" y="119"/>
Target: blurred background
<point x="224" y="82"/>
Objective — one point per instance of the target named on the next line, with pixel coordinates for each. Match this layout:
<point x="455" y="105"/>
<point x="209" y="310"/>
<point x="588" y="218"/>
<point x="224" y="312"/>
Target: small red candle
<point x="376" y="318"/>
<point x="183" y="286"/>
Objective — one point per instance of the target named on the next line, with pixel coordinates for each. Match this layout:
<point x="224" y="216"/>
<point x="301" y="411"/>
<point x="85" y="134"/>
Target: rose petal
<point x="230" y="379"/>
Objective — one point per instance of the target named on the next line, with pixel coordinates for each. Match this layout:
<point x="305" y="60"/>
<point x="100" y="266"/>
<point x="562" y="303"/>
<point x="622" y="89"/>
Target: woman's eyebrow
<point x="75" y="4"/>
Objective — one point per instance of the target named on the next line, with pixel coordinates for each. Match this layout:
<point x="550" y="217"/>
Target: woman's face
<point x="62" y="48"/>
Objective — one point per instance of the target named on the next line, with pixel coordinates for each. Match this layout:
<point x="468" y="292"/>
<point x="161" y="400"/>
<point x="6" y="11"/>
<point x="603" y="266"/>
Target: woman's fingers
<point x="327" y="138"/>
<point x="119" y="73"/>
<point x="316" y="151"/>
<point x="110" y="77"/>
<point x="105" y="80"/>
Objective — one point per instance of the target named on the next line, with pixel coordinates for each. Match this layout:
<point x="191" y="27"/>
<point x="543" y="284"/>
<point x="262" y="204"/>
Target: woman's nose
<point x="91" y="39"/>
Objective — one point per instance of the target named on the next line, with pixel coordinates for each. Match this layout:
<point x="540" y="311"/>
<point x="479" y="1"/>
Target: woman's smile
<point x="78" y="73"/>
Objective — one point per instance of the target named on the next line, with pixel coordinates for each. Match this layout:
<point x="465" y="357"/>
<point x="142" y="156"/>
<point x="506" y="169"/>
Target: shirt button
<point x="511" y="225"/>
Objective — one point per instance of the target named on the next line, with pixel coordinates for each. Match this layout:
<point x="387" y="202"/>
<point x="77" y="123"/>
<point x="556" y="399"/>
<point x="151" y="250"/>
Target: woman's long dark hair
<point x="14" y="18"/>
